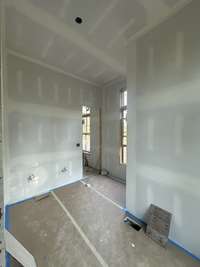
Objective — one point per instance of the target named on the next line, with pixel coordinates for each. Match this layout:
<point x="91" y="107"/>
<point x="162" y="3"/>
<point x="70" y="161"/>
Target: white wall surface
<point x="111" y="130"/>
<point x="164" y="124"/>
<point x="43" y="127"/>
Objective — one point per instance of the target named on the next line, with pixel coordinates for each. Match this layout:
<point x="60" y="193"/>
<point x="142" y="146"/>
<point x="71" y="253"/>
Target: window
<point x="86" y="128"/>
<point x="123" y="123"/>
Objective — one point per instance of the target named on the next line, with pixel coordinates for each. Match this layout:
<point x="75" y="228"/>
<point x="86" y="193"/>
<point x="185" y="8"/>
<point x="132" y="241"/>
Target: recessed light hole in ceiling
<point x="78" y="20"/>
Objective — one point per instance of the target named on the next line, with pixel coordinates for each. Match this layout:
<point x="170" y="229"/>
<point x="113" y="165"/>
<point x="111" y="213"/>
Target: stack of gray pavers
<point x="158" y="224"/>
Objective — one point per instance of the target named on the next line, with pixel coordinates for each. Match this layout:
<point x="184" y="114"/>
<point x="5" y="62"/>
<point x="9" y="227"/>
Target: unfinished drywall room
<point x="99" y="134"/>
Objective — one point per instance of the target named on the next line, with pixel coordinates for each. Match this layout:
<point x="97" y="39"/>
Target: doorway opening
<point x="86" y="137"/>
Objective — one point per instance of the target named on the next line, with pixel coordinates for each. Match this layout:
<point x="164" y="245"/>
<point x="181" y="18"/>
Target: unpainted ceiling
<point x="95" y="50"/>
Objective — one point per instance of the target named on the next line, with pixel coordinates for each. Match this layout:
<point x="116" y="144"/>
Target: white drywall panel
<point x="164" y="124"/>
<point x="43" y="128"/>
<point x="111" y="130"/>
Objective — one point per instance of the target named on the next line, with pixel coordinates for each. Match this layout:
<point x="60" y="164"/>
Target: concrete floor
<point x="109" y="187"/>
<point x="51" y="230"/>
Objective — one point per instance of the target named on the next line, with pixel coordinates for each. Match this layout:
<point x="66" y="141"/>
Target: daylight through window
<point x="123" y="123"/>
<point x="86" y="128"/>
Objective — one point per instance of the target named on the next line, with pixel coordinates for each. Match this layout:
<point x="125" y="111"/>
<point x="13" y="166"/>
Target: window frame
<point x="123" y="135"/>
<point x="86" y="133"/>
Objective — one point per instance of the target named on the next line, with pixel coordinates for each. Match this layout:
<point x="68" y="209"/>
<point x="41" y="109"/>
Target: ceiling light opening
<point x="79" y="20"/>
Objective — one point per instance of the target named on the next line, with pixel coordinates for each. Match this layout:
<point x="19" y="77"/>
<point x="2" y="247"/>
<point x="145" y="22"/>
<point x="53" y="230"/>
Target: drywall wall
<point x="44" y="125"/>
<point x="164" y="124"/>
<point x="111" y="130"/>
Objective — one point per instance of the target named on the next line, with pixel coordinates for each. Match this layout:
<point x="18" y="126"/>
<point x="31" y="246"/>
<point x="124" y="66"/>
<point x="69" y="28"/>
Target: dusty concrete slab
<point x="47" y="232"/>
<point x="103" y="223"/>
<point x="43" y="228"/>
<point x="109" y="187"/>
